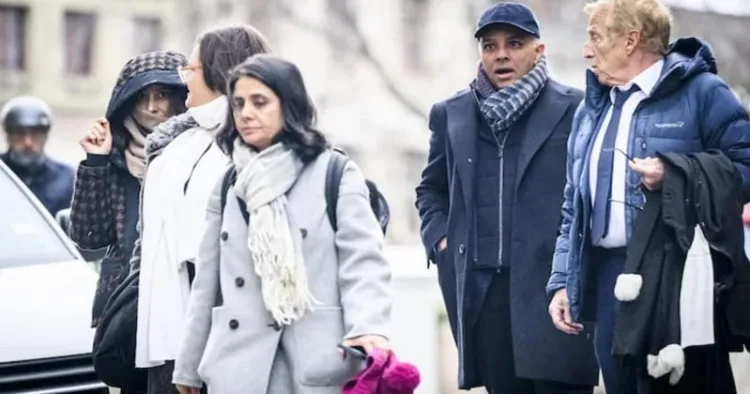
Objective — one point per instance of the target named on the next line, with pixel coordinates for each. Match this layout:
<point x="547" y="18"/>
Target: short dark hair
<point x="298" y="112"/>
<point x="222" y="49"/>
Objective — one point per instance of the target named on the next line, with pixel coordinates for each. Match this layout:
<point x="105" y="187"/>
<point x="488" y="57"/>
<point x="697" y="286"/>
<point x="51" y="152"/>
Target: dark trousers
<point x="618" y="378"/>
<point x="494" y="347"/>
<point x="160" y="380"/>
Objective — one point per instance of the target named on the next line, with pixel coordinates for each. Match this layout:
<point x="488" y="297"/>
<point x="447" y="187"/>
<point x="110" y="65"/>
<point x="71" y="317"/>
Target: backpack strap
<point x="229" y="178"/>
<point x="334" y="172"/>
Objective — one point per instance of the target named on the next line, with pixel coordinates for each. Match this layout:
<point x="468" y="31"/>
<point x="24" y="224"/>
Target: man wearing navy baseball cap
<point x="490" y="200"/>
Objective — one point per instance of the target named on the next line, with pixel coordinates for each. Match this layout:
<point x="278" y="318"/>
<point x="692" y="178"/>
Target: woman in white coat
<point x="183" y="165"/>
<point x="273" y="297"/>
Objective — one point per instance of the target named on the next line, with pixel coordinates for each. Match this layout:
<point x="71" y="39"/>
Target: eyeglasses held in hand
<point x="618" y="150"/>
<point x="638" y="186"/>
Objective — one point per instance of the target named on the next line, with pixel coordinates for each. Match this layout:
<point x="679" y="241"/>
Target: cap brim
<point x="488" y="25"/>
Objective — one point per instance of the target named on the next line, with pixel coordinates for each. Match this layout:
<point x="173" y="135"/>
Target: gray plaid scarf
<point x="503" y="107"/>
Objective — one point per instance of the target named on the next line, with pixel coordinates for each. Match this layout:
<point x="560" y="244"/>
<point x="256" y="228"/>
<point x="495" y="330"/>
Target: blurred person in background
<point x="646" y="99"/>
<point x="183" y="164"/>
<point x="104" y="212"/>
<point x="278" y="292"/>
<point x="488" y="202"/>
<point x="27" y="121"/>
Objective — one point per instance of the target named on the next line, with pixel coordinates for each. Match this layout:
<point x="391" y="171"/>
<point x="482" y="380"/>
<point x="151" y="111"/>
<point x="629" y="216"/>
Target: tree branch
<point x="361" y="48"/>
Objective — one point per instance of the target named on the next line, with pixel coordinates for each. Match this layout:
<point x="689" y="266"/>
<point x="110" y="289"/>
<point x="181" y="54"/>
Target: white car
<point x="46" y="292"/>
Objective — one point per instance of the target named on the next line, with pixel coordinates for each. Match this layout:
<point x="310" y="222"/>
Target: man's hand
<point x="369" y="342"/>
<point x="442" y="244"/>
<point x="187" y="389"/>
<point x="651" y="171"/>
<point x="559" y="310"/>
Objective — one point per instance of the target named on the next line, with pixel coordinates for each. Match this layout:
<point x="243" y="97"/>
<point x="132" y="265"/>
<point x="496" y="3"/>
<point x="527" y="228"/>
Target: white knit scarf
<point x="263" y="179"/>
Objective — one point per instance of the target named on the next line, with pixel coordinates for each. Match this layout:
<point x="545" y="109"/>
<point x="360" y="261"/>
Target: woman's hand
<point x="369" y="342"/>
<point x="98" y="140"/>
<point x="187" y="389"/>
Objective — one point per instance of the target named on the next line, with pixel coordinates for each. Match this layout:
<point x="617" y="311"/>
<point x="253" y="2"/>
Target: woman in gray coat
<point x="274" y="295"/>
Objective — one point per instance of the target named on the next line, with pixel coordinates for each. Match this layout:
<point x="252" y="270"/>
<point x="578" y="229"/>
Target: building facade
<point x="69" y="52"/>
<point x="373" y="68"/>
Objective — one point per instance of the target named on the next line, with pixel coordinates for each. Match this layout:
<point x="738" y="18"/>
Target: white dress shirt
<point x="617" y="234"/>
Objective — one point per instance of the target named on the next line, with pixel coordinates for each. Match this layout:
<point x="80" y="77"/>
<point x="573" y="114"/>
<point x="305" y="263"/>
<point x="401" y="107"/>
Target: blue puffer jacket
<point x="690" y="110"/>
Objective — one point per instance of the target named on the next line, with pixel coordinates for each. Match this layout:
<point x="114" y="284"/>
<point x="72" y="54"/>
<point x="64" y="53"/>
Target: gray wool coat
<point x="235" y="347"/>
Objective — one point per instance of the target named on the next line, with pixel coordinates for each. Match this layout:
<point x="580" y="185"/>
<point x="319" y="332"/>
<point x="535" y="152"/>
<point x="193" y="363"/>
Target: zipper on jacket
<point x="500" y="155"/>
<point x="632" y="148"/>
<point x="501" y="175"/>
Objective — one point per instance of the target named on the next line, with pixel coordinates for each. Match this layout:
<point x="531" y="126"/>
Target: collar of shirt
<point x="212" y="114"/>
<point x="646" y="80"/>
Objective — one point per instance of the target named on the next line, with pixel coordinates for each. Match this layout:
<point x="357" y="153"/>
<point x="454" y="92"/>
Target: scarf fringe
<point x="277" y="258"/>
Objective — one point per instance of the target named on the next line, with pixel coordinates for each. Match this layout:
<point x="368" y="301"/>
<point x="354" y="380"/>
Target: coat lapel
<point x="463" y="126"/>
<point x="542" y="122"/>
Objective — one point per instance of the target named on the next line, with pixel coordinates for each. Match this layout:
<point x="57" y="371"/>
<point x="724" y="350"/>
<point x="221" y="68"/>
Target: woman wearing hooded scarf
<point x="105" y="203"/>
<point x="183" y="166"/>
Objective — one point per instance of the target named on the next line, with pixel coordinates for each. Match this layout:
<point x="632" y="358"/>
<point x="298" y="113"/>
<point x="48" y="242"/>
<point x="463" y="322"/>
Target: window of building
<point x="147" y="35"/>
<point x="79" y="42"/>
<point x="12" y="37"/>
<point x="413" y="25"/>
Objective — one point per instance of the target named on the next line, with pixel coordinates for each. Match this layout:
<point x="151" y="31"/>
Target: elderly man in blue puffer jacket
<point x="643" y="96"/>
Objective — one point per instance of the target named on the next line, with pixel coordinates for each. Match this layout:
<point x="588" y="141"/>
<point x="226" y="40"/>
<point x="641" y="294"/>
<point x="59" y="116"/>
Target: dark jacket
<point x="446" y="198"/>
<point x="105" y="205"/>
<point x="113" y="352"/>
<point x="52" y="184"/>
<point x="699" y="189"/>
<point x="689" y="110"/>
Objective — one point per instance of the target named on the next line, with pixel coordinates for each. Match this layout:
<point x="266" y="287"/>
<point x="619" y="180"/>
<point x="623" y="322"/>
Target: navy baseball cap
<point x="507" y="13"/>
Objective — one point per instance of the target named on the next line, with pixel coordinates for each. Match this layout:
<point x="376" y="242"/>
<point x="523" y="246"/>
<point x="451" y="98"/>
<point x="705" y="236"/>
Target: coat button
<point x="461" y="249"/>
<point x="470" y="160"/>
<point x="233" y="324"/>
<point x="643" y="145"/>
<point x="239" y="282"/>
<point x="224" y="235"/>
<point x="303" y="231"/>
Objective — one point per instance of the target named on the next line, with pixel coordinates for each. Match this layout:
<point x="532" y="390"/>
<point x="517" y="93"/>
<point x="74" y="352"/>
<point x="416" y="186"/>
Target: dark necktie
<point x="600" y="220"/>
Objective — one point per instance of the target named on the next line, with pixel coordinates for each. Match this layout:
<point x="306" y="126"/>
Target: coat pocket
<point x="213" y="350"/>
<point x="317" y="336"/>
<point x="441" y="256"/>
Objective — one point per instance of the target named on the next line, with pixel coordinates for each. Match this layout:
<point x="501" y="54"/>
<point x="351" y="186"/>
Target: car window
<point x="25" y="236"/>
